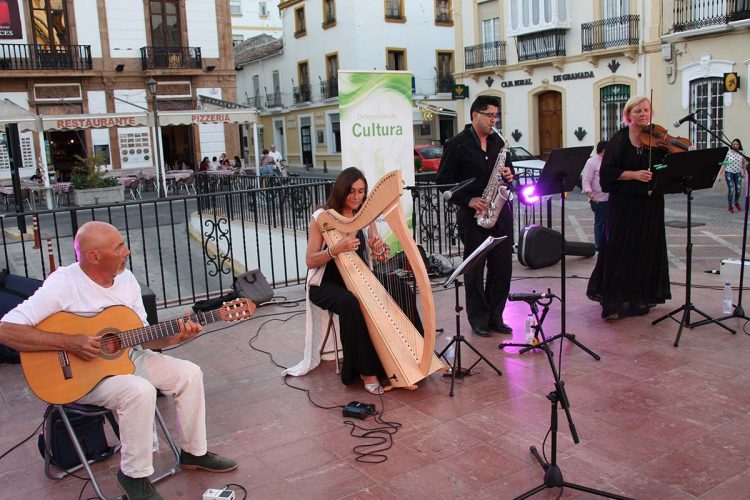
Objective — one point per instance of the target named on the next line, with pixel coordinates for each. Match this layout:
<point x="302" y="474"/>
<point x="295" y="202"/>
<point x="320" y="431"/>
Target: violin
<point x="656" y="137"/>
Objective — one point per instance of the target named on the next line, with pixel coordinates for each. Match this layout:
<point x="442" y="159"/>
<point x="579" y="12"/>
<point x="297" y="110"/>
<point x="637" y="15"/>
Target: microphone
<point x="447" y="195"/>
<point x="529" y="296"/>
<point x="686" y="118"/>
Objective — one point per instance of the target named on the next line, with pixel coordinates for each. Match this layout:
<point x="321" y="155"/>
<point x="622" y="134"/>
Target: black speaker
<point x="149" y="302"/>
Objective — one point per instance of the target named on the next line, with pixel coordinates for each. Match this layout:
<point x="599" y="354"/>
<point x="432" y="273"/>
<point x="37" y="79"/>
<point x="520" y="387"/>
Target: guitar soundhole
<point x="110" y="344"/>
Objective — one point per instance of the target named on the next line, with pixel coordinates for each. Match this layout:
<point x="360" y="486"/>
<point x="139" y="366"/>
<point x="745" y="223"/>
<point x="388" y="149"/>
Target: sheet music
<point x="486" y="244"/>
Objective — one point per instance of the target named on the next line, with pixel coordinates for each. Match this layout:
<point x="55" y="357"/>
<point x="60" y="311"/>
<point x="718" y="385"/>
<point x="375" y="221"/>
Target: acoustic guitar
<point x="59" y="377"/>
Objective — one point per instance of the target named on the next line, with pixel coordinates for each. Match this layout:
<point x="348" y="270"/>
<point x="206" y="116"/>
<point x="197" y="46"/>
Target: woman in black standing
<point x="631" y="273"/>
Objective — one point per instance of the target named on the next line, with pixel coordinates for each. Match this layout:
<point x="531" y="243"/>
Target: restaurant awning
<point x="11" y="112"/>
<point x="26" y="122"/>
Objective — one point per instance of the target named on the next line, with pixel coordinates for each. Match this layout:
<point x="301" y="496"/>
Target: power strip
<point x="214" y="494"/>
<point x="355" y="409"/>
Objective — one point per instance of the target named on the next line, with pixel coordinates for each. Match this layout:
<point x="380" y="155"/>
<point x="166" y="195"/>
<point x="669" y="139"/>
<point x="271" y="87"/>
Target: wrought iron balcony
<point x="256" y="102"/>
<point x="696" y="14"/>
<point x="171" y="58"/>
<point x="329" y="88"/>
<point x="273" y="100"/>
<point x="16" y="56"/>
<point x="609" y="33"/>
<point x="443" y="18"/>
<point x="485" y="55"/>
<point x="444" y="84"/>
<point x="540" y="45"/>
<point x="301" y="94"/>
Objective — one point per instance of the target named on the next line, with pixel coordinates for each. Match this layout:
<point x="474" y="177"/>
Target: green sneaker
<point x="138" y="488"/>
<point x="210" y="462"/>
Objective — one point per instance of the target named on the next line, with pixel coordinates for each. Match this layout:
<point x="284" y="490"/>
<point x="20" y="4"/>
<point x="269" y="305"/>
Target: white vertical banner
<point x="377" y="134"/>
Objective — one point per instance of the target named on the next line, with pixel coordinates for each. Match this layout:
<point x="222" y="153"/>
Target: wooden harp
<point x="406" y="356"/>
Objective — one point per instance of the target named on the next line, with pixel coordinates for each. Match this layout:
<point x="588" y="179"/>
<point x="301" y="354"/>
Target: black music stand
<point x="685" y="173"/>
<point x="476" y="256"/>
<point x="559" y="175"/>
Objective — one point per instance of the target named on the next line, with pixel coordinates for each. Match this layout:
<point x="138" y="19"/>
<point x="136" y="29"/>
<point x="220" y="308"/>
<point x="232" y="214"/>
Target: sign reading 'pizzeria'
<point x="212" y="118"/>
<point x="573" y="76"/>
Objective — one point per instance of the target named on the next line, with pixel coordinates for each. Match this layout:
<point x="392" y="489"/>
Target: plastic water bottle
<point x="451" y="352"/>
<point x="727" y="298"/>
<point x="530" y="328"/>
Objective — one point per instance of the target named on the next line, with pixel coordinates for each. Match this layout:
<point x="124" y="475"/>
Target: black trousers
<point x="485" y="299"/>
<point x="360" y="357"/>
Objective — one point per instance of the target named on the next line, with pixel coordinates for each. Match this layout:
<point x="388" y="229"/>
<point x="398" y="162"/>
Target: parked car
<point x="526" y="165"/>
<point x="430" y="156"/>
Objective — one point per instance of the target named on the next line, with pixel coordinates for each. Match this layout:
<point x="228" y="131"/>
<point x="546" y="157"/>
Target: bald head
<point x="94" y="236"/>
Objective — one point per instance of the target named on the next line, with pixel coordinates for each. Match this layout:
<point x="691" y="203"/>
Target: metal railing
<point x="273" y="100"/>
<point x="17" y="56"/>
<point x="444" y="84"/>
<point x="186" y="248"/>
<point x="485" y="55"/>
<point x="301" y="94"/>
<point x="171" y="58"/>
<point x="696" y="14"/>
<point x="329" y="88"/>
<point x="549" y="43"/>
<point x="256" y="101"/>
<point x="609" y="33"/>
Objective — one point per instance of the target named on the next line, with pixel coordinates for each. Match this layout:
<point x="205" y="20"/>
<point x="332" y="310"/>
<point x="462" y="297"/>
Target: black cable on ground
<point x="22" y="442"/>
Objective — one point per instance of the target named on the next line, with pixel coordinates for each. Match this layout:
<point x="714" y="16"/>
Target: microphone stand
<point x="738" y="312"/>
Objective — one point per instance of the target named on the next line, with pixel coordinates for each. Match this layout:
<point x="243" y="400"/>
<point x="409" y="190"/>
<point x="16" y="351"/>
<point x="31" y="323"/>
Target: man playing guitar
<point x="99" y="280"/>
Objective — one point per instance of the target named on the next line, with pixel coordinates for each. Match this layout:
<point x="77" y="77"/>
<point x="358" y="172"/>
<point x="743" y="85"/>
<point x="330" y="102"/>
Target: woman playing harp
<point x="373" y="328"/>
<point x="326" y="288"/>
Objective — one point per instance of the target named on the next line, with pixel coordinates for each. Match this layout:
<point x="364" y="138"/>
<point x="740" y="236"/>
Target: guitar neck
<point x="149" y="333"/>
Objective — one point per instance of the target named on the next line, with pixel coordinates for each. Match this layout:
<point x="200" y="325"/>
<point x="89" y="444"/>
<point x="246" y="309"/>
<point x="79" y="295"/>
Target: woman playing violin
<point x="631" y="273"/>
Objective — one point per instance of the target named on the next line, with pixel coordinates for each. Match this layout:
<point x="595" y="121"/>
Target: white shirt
<point x="590" y="179"/>
<point x="70" y="289"/>
<point x="276" y="157"/>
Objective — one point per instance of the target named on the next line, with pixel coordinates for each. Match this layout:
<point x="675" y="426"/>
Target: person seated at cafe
<point x="204" y="164"/>
<point x="223" y="161"/>
<point x="214" y="165"/>
<point x="237" y="165"/>
<point x="37" y="177"/>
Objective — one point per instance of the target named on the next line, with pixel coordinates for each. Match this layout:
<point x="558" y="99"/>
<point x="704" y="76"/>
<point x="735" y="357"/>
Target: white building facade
<point x="254" y="17"/>
<point x="296" y="84"/>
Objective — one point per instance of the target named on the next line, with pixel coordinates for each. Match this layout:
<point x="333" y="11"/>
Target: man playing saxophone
<point x="473" y="153"/>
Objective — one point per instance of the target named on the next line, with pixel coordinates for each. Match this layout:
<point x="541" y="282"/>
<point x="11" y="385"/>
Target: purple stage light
<point x="528" y="195"/>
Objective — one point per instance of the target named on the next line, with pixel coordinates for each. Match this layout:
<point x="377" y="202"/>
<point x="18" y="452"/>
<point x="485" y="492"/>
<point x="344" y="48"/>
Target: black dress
<point x="360" y="357"/>
<point x="631" y="272"/>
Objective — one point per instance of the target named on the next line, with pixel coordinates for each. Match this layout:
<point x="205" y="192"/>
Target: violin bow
<point x="651" y="128"/>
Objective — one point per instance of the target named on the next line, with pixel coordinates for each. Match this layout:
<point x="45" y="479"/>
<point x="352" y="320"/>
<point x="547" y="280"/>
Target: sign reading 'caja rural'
<point x="573" y="76"/>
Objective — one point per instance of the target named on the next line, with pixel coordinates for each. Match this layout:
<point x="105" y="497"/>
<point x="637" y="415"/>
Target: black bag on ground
<point x="215" y="303"/>
<point x="14" y="289"/>
<point x="539" y="246"/>
<point x="253" y="285"/>
<point x="89" y="431"/>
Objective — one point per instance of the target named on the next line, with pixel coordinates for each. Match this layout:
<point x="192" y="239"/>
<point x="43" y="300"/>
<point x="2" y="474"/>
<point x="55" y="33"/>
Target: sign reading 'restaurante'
<point x="99" y="122"/>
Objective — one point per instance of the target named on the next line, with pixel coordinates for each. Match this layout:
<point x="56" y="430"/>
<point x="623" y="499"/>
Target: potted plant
<point x="89" y="184"/>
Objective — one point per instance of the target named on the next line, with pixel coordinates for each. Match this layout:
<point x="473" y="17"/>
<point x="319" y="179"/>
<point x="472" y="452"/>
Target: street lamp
<point x="151" y="83"/>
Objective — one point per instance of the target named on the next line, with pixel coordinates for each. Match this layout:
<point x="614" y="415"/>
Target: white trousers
<point x="133" y="399"/>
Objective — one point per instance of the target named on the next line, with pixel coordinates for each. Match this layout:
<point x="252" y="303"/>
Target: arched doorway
<point x="550" y="122"/>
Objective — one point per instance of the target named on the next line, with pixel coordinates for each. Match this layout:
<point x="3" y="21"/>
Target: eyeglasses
<point x="489" y="115"/>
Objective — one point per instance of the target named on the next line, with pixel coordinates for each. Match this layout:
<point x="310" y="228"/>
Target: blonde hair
<point x="633" y="102"/>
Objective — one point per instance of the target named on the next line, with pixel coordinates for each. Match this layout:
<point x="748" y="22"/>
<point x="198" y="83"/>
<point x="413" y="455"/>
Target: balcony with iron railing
<point x="274" y="100"/>
<point x="256" y="101"/>
<point x="485" y="55"/>
<point x="29" y="57"/>
<point x="541" y="45"/>
<point x="329" y="88"/>
<point x="443" y="18"/>
<point x="697" y="14"/>
<point x="444" y="84"/>
<point x="609" y="33"/>
<point x="171" y="58"/>
<point x="301" y="94"/>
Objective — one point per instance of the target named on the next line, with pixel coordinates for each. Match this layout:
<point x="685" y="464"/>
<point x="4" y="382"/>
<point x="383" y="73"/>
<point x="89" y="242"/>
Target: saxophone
<point x="496" y="193"/>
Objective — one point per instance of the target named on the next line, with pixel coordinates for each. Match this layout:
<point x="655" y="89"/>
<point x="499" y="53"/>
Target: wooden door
<point x="550" y="123"/>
